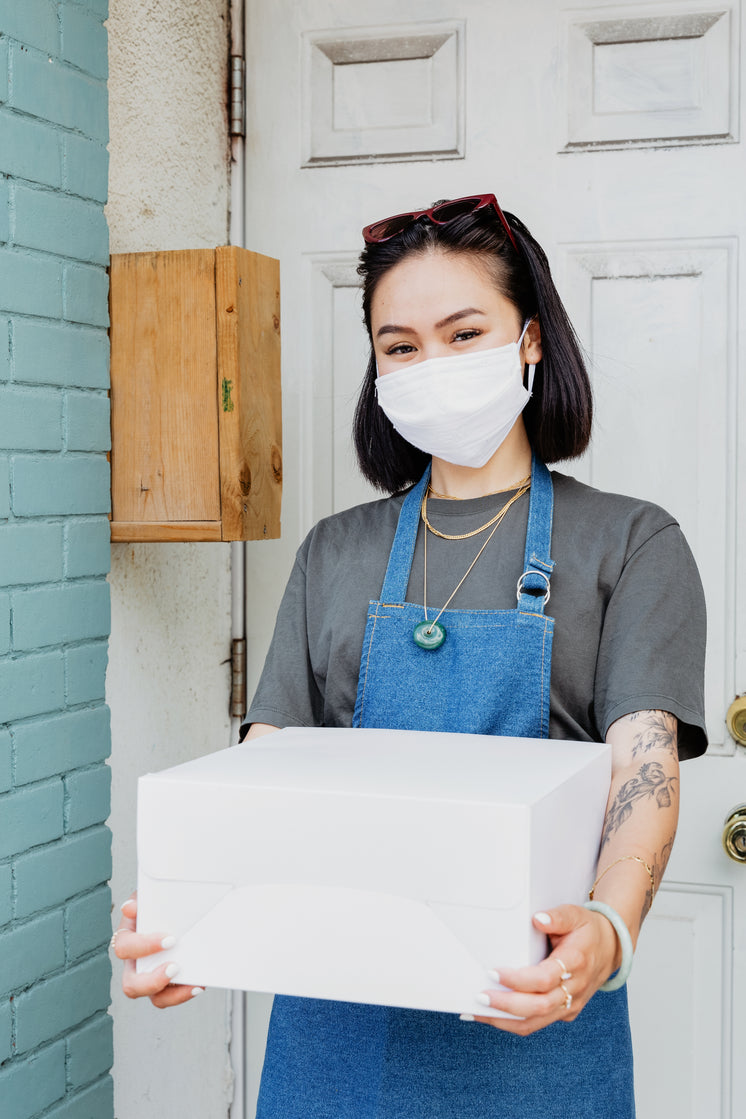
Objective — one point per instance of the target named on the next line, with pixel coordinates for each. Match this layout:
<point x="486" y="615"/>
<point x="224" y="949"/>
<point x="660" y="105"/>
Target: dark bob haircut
<point x="558" y="415"/>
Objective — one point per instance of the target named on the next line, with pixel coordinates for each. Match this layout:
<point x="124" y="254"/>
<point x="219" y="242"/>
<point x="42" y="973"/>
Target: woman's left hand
<point x="584" y="944"/>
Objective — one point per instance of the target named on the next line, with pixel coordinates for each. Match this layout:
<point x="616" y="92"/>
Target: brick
<point x="31" y="685"/>
<point x="30" y="951"/>
<point x="6" y="1030"/>
<point x="56" y="615"/>
<point x="30" y="553"/>
<point x="90" y="1051"/>
<point x="30" y="419"/>
<point x="58" y="223"/>
<point x="6" y="777"/>
<point x="27" y="1087"/>
<point x="88" y="422"/>
<point x="96" y="1102"/>
<point x="52" y="875"/>
<point x="53" y="485"/>
<point x="4" y="623"/>
<point x="53" y="1006"/>
<point x="89" y="922"/>
<point x="3" y="69"/>
<point x="30" y="149"/>
<point x="60" y="355"/>
<point x="84" y="41"/>
<point x="29" y="817"/>
<point x="88" y="547"/>
<point x="88" y="798"/>
<point x="86" y="167"/>
<point x="4" y="211"/>
<point x="6" y="893"/>
<point x="46" y="747"/>
<point x="51" y="90"/>
<point x="4" y="348"/>
<point x="4" y="490"/>
<point x="86" y="294"/>
<point x="85" y="668"/>
<point x="33" y="22"/>
<point x="30" y="284"/>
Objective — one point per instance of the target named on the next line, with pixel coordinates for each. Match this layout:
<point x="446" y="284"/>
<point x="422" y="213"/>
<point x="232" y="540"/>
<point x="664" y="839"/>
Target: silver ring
<point x="113" y="941"/>
<point x="522" y="580"/>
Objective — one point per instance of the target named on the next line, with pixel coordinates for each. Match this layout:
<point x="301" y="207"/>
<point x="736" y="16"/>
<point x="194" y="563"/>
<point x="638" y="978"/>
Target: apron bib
<point x="335" y="1060"/>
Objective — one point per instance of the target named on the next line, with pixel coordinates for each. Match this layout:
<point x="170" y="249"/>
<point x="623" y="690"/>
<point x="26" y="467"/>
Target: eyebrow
<point x="394" y="328"/>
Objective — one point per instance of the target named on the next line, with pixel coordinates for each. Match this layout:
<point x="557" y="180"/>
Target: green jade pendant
<point x="429" y="635"/>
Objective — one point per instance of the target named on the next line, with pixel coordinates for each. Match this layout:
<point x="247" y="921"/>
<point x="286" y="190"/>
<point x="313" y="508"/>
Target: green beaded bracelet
<point x="625" y="941"/>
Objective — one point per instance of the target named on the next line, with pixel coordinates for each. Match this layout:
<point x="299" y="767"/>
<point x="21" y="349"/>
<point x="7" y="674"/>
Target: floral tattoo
<point x="650" y="782"/>
<point x="657" y="731"/>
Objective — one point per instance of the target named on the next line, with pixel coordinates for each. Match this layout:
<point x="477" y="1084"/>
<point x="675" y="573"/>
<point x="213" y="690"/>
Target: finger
<point x="142" y="984"/>
<point x="134" y="946"/>
<point x="541" y="978"/>
<point x="129" y="907"/>
<point x="175" y="994"/>
<point x="560" y="920"/>
<point x="547" y="1007"/>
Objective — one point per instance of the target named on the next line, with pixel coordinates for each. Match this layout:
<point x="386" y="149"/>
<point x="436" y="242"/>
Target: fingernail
<point x="197" y="991"/>
<point x="171" y="970"/>
<point x="127" y="902"/>
<point x="467" y="1017"/>
<point x="494" y="975"/>
<point x="543" y="918"/>
<point x="484" y="999"/>
<point x="168" y="942"/>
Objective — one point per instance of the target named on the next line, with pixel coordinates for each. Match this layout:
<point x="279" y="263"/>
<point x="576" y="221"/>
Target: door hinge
<point x="238" y="678"/>
<point x="238" y="96"/>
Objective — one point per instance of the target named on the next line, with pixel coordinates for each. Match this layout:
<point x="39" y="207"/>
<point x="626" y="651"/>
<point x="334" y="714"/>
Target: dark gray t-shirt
<point x="626" y="598"/>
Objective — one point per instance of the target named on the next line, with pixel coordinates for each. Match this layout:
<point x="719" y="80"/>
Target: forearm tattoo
<point x="656" y="730"/>
<point x="651" y="782"/>
<point x="660" y="863"/>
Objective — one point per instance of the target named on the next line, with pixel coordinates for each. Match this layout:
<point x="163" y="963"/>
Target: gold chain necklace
<point x="522" y="487"/>
<point x="492" y="493"/>
<point x="431" y="635"/>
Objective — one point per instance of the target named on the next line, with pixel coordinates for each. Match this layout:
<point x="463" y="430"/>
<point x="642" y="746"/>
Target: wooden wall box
<point x="195" y="395"/>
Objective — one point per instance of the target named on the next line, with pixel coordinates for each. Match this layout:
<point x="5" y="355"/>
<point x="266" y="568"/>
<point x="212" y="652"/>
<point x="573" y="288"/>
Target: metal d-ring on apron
<point x="337" y="1060"/>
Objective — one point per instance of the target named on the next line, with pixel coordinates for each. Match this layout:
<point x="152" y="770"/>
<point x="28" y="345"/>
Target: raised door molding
<point x="653" y="76"/>
<point x="387" y="94"/>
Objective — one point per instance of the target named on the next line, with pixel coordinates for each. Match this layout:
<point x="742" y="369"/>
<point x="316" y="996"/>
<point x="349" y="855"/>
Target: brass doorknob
<point x="734" y="834"/>
<point x="736" y="719"/>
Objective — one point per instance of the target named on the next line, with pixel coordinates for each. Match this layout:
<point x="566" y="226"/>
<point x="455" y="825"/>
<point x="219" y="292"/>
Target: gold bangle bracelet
<point x="624" y="858"/>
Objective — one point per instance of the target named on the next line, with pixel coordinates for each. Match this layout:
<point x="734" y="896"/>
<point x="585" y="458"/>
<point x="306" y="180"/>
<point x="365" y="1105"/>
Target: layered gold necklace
<point x="431" y="635"/>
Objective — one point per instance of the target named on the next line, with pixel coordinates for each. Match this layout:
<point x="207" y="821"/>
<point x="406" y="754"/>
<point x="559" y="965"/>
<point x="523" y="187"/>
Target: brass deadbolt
<point x="736" y="719"/>
<point x="734" y="834"/>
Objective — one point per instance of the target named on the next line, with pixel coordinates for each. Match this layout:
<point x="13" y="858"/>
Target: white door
<point x="612" y="130"/>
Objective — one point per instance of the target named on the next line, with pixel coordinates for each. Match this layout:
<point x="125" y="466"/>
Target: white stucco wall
<point x="168" y="675"/>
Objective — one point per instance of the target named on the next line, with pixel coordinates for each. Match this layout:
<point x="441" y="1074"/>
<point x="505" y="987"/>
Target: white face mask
<point x="458" y="408"/>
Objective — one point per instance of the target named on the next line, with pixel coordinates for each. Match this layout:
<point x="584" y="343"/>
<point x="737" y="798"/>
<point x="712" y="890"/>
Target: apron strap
<point x="402" y="550"/>
<point x="533" y="585"/>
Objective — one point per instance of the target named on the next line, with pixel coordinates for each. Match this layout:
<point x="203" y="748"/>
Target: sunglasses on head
<point x="441" y="214"/>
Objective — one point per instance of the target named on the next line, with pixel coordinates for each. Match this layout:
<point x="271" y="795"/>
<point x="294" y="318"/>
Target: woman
<point x="430" y="610"/>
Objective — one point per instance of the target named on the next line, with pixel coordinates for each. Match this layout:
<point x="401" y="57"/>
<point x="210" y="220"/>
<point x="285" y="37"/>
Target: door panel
<point x="613" y="131"/>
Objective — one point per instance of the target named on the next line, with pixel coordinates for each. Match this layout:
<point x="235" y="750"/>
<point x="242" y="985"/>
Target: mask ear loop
<point x="531" y="368"/>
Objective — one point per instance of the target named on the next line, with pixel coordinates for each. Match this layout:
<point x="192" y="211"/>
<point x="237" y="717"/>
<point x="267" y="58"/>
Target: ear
<point x="531" y="346"/>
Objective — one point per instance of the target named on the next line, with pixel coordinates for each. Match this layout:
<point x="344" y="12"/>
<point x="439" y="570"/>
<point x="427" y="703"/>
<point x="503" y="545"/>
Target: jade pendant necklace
<point x="430" y="635"/>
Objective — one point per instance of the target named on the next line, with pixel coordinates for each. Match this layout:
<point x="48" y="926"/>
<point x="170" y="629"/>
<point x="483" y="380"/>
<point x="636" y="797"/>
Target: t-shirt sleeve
<point x="287" y="694"/>
<point x="652" y="649"/>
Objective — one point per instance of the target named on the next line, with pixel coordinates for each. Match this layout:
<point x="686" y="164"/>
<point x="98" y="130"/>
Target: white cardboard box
<point x="380" y="866"/>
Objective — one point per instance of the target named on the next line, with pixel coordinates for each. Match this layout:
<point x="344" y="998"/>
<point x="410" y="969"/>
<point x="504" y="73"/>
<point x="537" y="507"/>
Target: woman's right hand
<point x="156" y="985"/>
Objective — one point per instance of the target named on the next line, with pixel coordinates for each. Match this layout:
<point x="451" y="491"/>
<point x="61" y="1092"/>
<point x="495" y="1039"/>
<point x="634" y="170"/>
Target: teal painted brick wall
<point x="55" y="848"/>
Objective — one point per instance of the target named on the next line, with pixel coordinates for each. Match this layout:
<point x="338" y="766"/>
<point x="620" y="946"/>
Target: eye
<point x="466" y="335"/>
<point x="401" y="348"/>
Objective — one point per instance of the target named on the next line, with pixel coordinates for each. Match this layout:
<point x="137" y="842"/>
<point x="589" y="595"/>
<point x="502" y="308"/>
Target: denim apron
<point x="337" y="1060"/>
